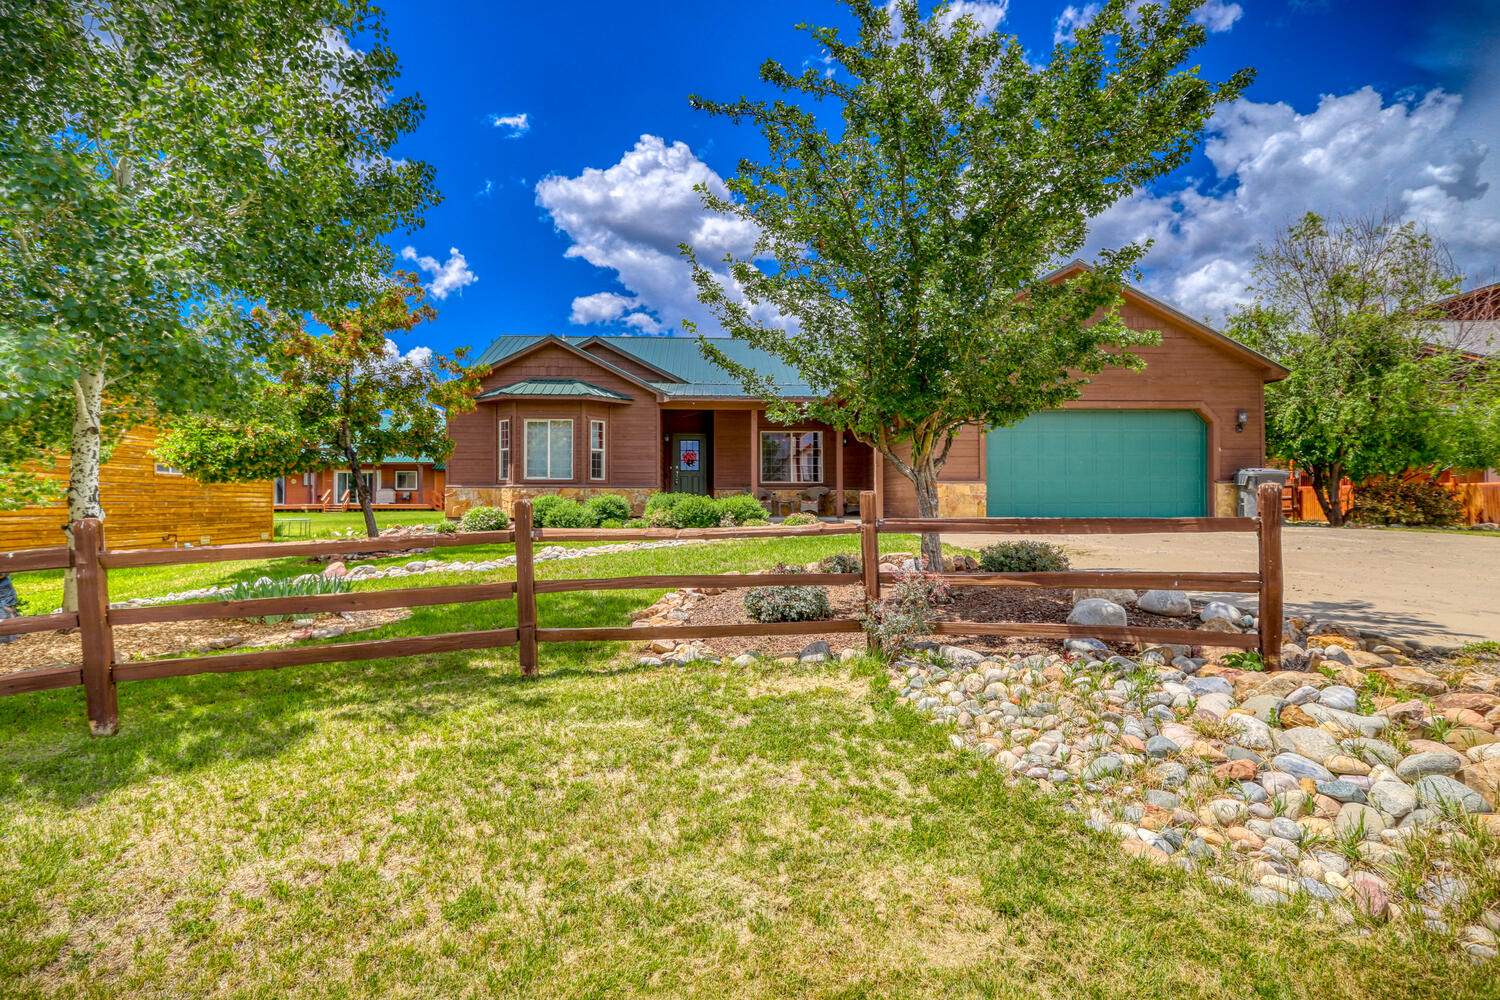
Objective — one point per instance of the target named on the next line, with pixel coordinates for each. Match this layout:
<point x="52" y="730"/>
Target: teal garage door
<point x="1099" y="463"/>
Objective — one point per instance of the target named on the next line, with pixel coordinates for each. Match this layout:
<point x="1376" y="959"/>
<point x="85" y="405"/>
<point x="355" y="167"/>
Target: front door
<point x="688" y="474"/>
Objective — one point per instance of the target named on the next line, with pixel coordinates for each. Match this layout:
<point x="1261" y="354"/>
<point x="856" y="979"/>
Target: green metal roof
<point x="679" y="357"/>
<point x="568" y="387"/>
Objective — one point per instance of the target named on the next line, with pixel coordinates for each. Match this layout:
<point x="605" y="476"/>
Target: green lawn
<point x="335" y="523"/>
<point x="439" y="827"/>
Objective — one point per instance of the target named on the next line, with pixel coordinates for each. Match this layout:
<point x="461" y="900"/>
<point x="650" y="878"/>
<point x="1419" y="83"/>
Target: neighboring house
<point x="398" y="483"/>
<point x="149" y="505"/>
<point x="634" y="415"/>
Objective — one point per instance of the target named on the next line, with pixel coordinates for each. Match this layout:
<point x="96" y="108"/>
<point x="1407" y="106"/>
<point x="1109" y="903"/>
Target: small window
<point x="549" y="449"/>
<point x="166" y="470"/>
<point x="596" y="449"/>
<point x="406" y="480"/>
<point x="504" y="474"/>
<point x="791" y="456"/>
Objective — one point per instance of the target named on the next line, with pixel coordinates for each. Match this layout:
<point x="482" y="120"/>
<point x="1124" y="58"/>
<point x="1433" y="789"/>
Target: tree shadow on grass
<point x="181" y="725"/>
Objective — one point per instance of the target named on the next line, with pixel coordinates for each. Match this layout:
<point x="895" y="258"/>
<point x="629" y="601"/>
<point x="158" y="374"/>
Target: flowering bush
<point x="905" y="612"/>
<point x="799" y="518"/>
<point x="485" y="519"/>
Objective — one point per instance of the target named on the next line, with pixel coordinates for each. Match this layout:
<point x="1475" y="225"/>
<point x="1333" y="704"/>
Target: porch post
<point x="838" y="472"/>
<point x="878" y="460"/>
<point x="755" y="452"/>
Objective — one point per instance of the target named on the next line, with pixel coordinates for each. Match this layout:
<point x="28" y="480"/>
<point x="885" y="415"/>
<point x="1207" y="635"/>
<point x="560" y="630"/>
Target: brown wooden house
<point x="399" y="483"/>
<point x="635" y="415"/>
<point x="148" y="505"/>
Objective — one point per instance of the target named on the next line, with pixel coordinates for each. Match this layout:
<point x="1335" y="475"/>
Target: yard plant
<point x="913" y="201"/>
<point x="1023" y="557"/>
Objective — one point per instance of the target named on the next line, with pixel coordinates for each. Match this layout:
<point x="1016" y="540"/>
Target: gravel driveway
<point x="1436" y="587"/>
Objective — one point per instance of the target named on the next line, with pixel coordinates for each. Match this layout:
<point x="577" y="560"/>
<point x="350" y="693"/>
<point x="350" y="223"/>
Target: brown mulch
<point x="972" y="604"/>
<point x="140" y="642"/>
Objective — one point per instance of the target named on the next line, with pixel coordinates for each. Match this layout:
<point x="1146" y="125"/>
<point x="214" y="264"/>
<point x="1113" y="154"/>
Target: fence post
<point x="869" y="557"/>
<point x="93" y="623"/>
<point x="525" y="590"/>
<point x="1268" y="505"/>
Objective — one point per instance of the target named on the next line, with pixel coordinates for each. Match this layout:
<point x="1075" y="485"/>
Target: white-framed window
<point x="791" y="456"/>
<point x="406" y="480"/>
<point x="343" y="483"/>
<point x="596" y="449"/>
<point x="309" y="479"/>
<point x="549" y="449"/>
<point x="504" y="437"/>
<point x="166" y="470"/>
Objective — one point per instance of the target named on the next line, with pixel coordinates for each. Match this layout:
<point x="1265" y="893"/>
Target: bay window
<point x="791" y="456"/>
<point x="549" y="449"/>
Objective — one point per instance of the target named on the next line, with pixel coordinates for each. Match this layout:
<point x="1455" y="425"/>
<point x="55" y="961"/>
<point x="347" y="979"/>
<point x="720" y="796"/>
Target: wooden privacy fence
<point x="101" y="671"/>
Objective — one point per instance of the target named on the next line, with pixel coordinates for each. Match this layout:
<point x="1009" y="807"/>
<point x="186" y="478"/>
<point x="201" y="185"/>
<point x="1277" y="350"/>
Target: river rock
<point x="1167" y="603"/>
<point x="1097" y="611"/>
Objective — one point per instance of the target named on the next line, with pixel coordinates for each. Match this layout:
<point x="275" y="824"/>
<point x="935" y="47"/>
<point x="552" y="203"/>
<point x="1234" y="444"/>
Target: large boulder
<point x="1219" y="611"/>
<point x="1411" y="678"/>
<point x="1107" y="594"/>
<point x="1168" y="603"/>
<point x="1097" y="611"/>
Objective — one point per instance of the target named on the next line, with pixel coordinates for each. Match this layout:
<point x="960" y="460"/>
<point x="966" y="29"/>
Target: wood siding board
<point x="145" y="509"/>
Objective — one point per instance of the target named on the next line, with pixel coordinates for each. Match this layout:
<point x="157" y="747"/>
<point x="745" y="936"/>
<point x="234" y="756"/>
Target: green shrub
<point x="566" y="513"/>
<point x="695" y="512"/>
<point x="741" y="508"/>
<point x="611" y="522"/>
<point x="798" y="519"/>
<point x="637" y="522"/>
<point x="446" y="527"/>
<point x="485" y="519"/>
<point x="661" y="517"/>
<point x="1022" y="557"/>
<point x="905" y="610"/>
<point x="840" y="562"/>
<point x="758" y="522"/>
<point x="306" y="585"/>
<point x="608" y="507"/>
<point x="542" y="504"/>
<point x="787" y="604"/>
<point x="664" y="501"/>
<point x="1405" y="501"/>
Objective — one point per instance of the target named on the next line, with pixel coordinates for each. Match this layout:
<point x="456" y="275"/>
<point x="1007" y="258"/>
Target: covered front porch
<point x="721" y="448"/>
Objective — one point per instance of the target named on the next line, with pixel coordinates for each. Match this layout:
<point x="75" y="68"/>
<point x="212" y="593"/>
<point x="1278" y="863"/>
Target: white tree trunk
<point x="83" y="464"/>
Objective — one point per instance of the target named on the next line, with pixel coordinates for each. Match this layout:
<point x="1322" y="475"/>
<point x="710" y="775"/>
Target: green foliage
<point x="446" y="527"/>
<point x="1022" y="557"/>
<point x="840" y="562"/>
<point x="338" y="400"/>
<point x="1348" y="309"/>
<point x="913" y="203"/>
<point x="1244" y="659"/>
<point x="742" y="507"/>
<point x="307" y="585"/>
<point x="1397" y="500"/>
<point x="160" y="167"/>
<point x="787" y="604"/>
<point x="608" y="507"/>
<point x="755" y="522"/>
<point x="664" y="501"/>
<point x="485" y="519"/>
<point x="541" y="505"/>
<point x="695" y="512"/>
<point x="611" y="522"/>
<point x="799" y="519"/>
<point x="564" y="512"/>
<point x="636" y="522"/>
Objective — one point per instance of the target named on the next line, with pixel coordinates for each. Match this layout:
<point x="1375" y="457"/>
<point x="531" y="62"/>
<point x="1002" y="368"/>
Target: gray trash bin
<point x="1247" y="481"/>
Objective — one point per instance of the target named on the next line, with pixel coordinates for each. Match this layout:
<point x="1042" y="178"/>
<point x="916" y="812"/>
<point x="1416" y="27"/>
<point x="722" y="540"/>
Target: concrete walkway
<point x="1435" y="587"/>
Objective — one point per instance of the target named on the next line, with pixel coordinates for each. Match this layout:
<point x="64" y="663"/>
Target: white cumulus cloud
<point x="629" y="218"/>
<point x="448" y="276"/>
<point x="1214" y="15"/>
<point x="1353" y="154"/>
<point x="515" y="125"/>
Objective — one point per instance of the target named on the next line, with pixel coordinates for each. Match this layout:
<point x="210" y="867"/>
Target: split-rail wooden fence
<point x="101" y="671"/>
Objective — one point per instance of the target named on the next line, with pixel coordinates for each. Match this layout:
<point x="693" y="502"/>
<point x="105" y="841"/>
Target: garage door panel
<point x="1099" y="463"/>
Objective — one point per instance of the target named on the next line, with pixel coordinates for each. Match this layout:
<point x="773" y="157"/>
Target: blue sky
<point x="565" y="148"/>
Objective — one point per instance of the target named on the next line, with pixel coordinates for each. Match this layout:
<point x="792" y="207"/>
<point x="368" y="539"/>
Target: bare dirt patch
<point x="970" y="604"/>
<point x="139" y="642"/>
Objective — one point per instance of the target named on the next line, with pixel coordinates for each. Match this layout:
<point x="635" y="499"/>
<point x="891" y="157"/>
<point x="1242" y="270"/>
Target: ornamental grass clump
<point x="787" y="604"/>
<point x="307" y="585"/>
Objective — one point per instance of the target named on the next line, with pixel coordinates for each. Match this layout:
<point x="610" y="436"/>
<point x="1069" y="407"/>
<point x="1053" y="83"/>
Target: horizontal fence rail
<point x="101" y="670"/>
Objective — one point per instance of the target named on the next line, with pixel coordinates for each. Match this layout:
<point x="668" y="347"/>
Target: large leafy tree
<point x="1348" y="308"/>
<point x="334" y="400"/>
<point x="905" y="235"/>
<point x="163" y="165"/>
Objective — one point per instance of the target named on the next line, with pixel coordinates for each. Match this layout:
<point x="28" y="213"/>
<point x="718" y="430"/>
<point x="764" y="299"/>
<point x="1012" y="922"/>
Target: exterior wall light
<point x="1241" y="418"/>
